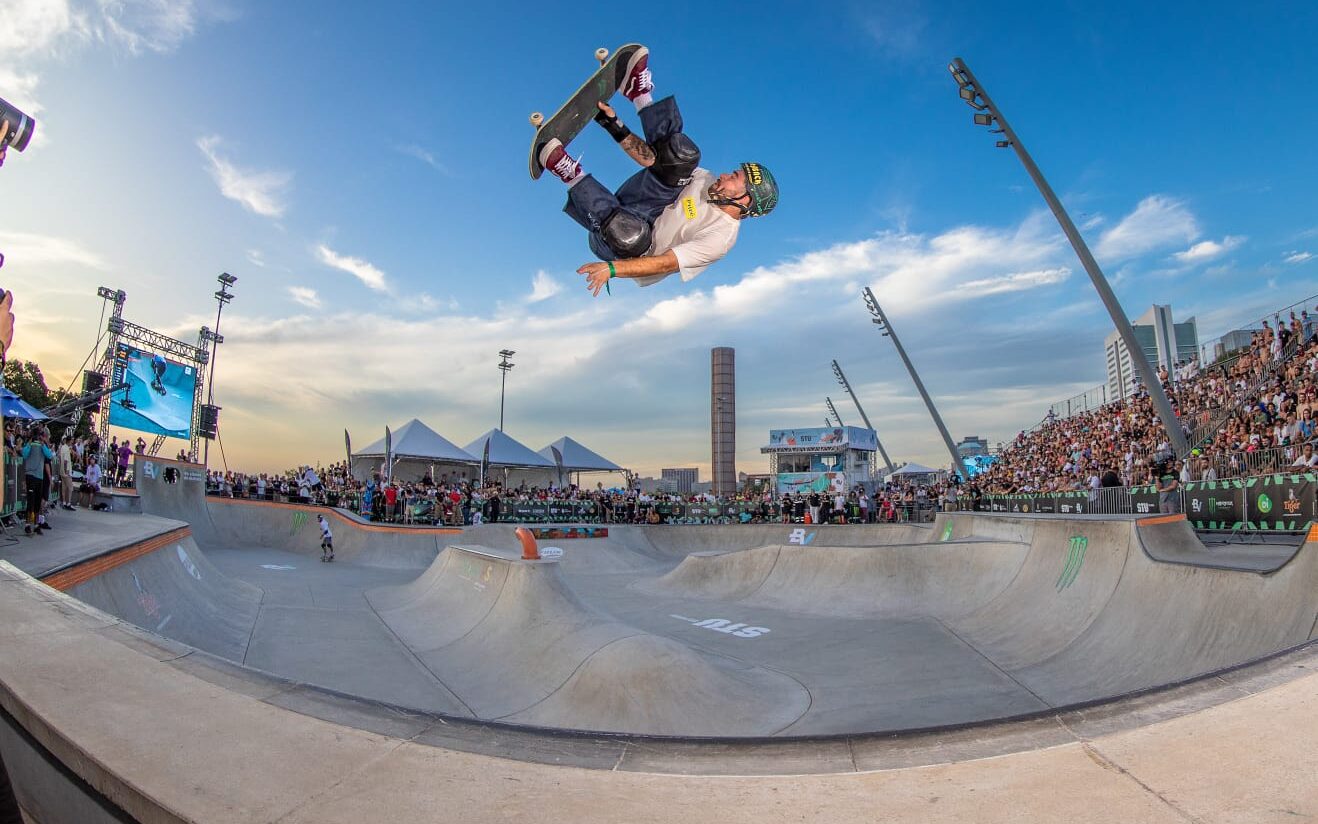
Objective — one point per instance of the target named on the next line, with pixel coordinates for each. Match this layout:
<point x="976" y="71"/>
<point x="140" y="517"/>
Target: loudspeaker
<point x="208" y="420"/>
<point x="92" y="381"/>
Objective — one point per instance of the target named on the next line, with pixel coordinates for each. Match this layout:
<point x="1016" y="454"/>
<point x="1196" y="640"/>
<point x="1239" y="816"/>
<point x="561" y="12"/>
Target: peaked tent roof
<point x="915" y="469"/>
<point x="577" y="458"/>
<point x="504" y="451"/>
<point x="416" y="440"/>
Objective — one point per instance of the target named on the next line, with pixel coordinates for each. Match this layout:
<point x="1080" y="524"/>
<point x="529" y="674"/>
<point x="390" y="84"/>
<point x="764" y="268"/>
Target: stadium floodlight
<point x="222" y="297"/>
<point x="881" y="320"/>
<point x="842" y="379"/>
<point x="972" y="91"/>
<point x="983" y="119"/>
<point x="504" y="366"/>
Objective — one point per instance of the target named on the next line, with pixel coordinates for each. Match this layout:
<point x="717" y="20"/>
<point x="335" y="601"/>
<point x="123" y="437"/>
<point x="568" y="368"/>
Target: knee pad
<point x="626" y="234"/>
<point x="675" y="159"/>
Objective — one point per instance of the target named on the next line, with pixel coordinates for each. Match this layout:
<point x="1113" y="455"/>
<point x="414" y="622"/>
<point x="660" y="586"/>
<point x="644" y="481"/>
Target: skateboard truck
<point x="537" y="118"/>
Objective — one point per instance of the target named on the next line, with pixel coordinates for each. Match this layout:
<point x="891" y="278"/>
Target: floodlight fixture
<point x="968" y="93"/>
<point x="1002" y="144"/>
<point x="983" y="119"/>
<point x="227" y="279"/>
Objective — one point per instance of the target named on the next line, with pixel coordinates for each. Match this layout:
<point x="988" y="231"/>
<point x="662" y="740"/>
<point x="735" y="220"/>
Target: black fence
<point x="1281" y="502"/>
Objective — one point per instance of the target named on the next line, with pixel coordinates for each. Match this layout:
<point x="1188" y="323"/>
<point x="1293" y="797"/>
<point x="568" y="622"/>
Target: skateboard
<point x="581" y="107"/>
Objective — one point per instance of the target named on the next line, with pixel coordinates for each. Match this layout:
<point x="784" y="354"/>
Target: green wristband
<point x="613" y="273"/>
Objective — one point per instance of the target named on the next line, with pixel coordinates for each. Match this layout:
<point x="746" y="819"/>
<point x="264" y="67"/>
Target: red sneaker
<point x="555" y="159"/>
<point x="638" y="81"/>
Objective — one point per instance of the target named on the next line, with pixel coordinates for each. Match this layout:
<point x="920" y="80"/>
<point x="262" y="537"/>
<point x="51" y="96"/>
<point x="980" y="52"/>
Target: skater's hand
<point x="604" y="107"/>
<point x="597" y="274"/>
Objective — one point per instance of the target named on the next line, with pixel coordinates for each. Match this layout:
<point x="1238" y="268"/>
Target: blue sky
<point x="362" y="170"/>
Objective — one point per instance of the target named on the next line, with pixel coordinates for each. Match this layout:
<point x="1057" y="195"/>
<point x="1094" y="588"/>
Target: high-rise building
<point x="1165" y="344"/>
<point x="723" y="420"/>
<point x="680" y="480"/>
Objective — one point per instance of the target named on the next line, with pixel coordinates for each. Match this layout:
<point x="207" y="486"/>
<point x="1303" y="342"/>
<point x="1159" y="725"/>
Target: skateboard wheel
<point x="601" y="55"/>
<point x="537" y="118"/>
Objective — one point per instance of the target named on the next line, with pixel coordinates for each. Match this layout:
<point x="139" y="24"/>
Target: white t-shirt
<point x="694" y="229"/>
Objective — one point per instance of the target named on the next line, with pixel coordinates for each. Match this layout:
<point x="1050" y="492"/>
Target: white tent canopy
<point x="504" y="451"/>
<point x="573" y="457"/>
<point x="915" y="469"/>
<point x="415" y="440"/>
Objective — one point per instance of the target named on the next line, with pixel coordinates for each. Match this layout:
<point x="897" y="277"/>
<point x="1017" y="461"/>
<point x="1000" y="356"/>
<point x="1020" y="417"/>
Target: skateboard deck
<point x="581" y="107"/>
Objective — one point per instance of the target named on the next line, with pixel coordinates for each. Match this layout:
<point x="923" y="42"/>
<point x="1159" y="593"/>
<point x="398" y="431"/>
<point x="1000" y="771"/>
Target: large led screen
<point x="158" y="398"/>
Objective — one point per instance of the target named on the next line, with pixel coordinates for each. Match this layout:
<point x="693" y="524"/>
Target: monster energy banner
<point x="1280" y="502"/>
<point x="1215" y="504"/>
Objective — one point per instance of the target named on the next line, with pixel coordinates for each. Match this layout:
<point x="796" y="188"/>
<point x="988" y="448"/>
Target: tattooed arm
<point x="636" y="148"/>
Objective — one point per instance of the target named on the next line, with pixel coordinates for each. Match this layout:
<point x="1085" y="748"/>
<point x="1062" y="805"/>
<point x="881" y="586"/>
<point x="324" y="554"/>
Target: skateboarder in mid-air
<point x="671" y="216"/>
<point x="158" y="370"/>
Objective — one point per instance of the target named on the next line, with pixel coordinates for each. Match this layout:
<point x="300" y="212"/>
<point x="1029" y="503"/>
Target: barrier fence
<point x="1274" y="503"/>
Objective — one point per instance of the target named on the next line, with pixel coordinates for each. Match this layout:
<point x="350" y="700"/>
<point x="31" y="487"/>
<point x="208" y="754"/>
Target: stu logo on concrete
<point x="724" y="626"/>
<point x="800" y="536"/>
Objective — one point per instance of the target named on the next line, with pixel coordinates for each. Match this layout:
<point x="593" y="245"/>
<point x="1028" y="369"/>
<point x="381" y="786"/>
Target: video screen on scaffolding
<point x="159" y="395"/>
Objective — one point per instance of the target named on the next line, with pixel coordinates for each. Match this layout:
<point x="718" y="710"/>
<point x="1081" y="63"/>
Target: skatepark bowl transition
<point x="716" y="650"/>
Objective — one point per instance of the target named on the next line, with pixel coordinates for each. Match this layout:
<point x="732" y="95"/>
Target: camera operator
<point x="1168" y="485"/>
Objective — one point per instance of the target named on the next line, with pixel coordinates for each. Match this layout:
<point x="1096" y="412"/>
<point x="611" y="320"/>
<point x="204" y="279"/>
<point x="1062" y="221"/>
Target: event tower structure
<point x="723" y="420"/>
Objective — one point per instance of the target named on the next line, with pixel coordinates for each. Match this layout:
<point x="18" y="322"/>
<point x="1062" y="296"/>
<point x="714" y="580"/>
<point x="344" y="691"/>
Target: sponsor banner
<point x="1045" y="504"/>
<point x="1215" y="504"/>
<point x="803" y="483"/>
<point x="1144" y="500"/>
<point x="546" y="512"/>
<point x="558" y="533"/>
<point x="1280" y="502"/>
<point x="1072" y="503"/>
<point x="820" y="437"/>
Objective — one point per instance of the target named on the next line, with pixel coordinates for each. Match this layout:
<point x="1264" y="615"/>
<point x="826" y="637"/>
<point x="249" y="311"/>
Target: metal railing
<point x="1204" y="432"/>
<point x="1086" y="401"/>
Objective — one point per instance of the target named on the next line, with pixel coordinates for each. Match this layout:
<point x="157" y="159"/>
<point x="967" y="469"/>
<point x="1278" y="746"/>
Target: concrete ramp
<point x="514" y="642"/>
<point x="857" y="582"/>
<point x="177" y="592"/>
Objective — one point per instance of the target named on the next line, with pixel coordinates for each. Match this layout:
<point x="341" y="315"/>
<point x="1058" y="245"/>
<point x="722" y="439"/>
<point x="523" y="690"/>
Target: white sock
<point x="643" y="100"/>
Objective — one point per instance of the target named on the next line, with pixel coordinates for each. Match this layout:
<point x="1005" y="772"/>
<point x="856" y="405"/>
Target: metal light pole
<point x="504" y="366"/>
<point x="223" y="296"/>
<point x="882" y="321"/>
<point x="842" y="379"/>
<point x="986" y="114"/>
<point x="833" y="409"/>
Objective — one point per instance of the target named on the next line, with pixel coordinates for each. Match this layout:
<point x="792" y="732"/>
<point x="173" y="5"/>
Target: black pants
<point x="34" y="485"/>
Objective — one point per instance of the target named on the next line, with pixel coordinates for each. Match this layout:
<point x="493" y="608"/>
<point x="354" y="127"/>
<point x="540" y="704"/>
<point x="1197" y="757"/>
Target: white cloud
<point x="24" y="249"/>
<point x="305" y="295"/>
<point x="1014" y="282"/>
<point x="256" y="257"/>
<point x="260" y="192"/>
<point x="413" y="150"/>
<point x="1297" y="257"/>
<point x="357" y="267"/>
<point x="543" y="287"/>
<point x="1157" y="222"/>
<point x="1209" y="249"/>
<point x="47" y="28"/>
<point x="906" y="270"/>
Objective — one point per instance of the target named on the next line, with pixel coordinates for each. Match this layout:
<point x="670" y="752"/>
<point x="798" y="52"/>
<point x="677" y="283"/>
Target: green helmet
<point x="762" y="188"/>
